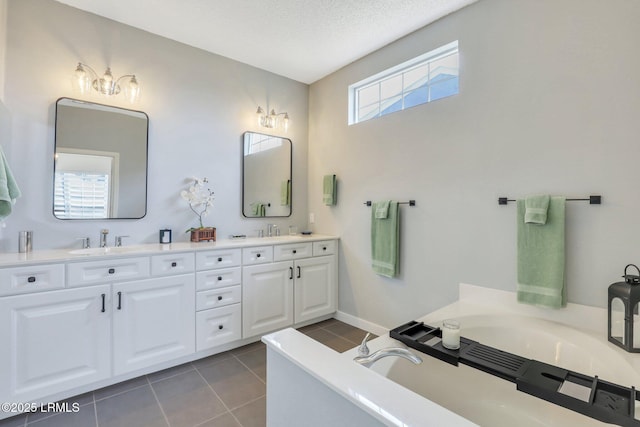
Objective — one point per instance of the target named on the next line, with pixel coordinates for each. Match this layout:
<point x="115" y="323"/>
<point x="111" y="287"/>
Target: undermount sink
<point x="105" y="251"/>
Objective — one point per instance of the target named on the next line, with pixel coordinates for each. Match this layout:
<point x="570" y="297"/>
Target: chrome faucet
<point x="119" y="240"/>
<point x="270" y="228"/>
<point x="103" y="237"/>
<point x="365" y="359"/>
<point x="86" y="242"/>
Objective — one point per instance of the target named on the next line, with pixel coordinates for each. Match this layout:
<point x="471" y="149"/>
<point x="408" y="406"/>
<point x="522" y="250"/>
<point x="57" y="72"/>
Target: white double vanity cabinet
<point x="73" y="322"/>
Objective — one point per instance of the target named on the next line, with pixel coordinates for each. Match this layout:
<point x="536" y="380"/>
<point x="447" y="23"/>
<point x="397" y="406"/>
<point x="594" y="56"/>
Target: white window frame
<point x="426" y="58"/>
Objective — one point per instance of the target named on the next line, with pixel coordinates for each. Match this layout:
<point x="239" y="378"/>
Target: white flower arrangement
<point x="199" y="197"/>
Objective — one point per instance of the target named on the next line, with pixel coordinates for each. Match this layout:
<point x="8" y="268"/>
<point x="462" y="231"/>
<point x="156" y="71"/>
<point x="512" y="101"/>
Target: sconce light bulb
<point x="82" y="82"/>
<point x="260" y="116"/>
<point x="285" y="122"/>
<point x="80" y="72"/>
<point x="108" y="77"/>
<point x="132" y="90"/>
<point x="273" y="119"/>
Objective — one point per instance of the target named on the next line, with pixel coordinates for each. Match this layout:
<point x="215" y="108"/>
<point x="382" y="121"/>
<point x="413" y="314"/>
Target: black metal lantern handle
<point x="633" y="280"/>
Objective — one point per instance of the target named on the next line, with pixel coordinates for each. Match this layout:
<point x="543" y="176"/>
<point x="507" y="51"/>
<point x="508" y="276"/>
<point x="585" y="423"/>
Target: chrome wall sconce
<point x="86" y="79"/>
<point x="271" y="120"/>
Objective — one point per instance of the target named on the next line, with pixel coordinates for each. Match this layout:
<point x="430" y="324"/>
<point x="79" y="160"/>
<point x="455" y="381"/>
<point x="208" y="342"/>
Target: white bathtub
<point x="399" y="393"/>
<point x="491" y="401"/>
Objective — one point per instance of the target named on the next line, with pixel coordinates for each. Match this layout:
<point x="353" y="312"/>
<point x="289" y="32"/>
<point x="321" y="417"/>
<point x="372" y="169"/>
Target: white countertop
<point x="71" y="254"/>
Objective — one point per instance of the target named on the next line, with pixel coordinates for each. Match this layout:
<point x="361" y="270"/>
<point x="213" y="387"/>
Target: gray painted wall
<point x="549" y="103"/>
<point x="3" y="43"/>
<point x="199" y="105"/>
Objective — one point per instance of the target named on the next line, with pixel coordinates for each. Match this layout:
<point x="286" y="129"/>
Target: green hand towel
<point x="285" y="193"/>
<point x="329" y="190"/>
<point x="536" y="209"/>
<point x="541" y="257"/>
<point x="258" y="209"/>
<point x="385" y="240"/>
<point x="9" y="190"/>
<point x="381" y="209"/>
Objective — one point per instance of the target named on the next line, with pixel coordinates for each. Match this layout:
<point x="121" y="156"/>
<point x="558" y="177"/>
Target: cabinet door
<point x="153" y="321"/>
<point x="315" y="288"/>
<point x="53" y="341"/>
<point x="267" y="298"/>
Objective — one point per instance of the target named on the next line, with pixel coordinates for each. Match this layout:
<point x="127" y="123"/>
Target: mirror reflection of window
<point x="257" y="142"/>
<point x="86" y="184"/>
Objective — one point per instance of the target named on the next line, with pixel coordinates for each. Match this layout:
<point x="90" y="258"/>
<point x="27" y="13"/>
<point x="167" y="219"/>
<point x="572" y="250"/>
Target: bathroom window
<point x="426" y="78"/>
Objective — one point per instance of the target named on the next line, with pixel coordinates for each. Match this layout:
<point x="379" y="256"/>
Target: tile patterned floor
<point x="224" y="390"/>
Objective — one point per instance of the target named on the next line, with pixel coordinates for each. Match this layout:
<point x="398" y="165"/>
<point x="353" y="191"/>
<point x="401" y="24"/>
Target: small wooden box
<point x="203" y="234"/>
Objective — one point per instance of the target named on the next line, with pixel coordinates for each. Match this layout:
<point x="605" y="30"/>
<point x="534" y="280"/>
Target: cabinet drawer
<point x="218" y="297"/>
<point x="33" y="278"/>
<point x="218" y="326"/>
<point x="218" y="278"/>
<point x="180" y="263"/>
<point x="218" y="259"/>
<point x="84" y="273"/>
<point x="324" y="247"/>
<point x="257" y="255"/>
<point x="292" y="251"/>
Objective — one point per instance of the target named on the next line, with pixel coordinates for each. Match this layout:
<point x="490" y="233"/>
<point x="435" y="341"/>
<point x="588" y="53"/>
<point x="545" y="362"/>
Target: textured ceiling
<point x="304" y="40"/>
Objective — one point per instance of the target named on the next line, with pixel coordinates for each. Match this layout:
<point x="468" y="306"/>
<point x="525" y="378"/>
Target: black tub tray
<point x="591" y="396"/>
<point x="427" y="339"/>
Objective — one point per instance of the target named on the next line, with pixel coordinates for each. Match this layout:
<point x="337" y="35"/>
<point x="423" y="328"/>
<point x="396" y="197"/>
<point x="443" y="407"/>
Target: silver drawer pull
<point x="31" y="279"/>
<point x="219" y="278"/>
<point x="174" y="264"/>
<point x="111" y="270"/>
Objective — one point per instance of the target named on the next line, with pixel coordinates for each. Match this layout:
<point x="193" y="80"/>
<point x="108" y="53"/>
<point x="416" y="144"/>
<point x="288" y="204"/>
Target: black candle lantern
<point x="623" y="306"/>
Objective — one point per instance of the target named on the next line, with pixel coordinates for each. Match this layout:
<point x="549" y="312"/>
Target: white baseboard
<point x="361" y="323"/>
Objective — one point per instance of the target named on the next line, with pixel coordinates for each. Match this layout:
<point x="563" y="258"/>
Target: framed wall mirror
<point x="100" y="162"/>
<point x="266" y="176"/>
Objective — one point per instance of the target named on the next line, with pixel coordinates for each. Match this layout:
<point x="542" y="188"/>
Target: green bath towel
<point x="329" y="190"/>
<point x="9" y="190"/>
<point x="385" y="240"/>
<point x="541" y="257"/>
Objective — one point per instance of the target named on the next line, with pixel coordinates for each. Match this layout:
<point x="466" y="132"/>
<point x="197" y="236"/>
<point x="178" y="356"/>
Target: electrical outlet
<point x="312" y="218"/>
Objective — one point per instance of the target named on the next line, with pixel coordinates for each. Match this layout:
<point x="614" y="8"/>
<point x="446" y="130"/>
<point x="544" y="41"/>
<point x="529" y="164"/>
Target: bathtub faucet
<point x="366" y="359"/>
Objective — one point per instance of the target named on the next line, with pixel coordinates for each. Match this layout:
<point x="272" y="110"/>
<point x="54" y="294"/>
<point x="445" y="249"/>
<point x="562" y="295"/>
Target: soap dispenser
<point x="622" y="311"/>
